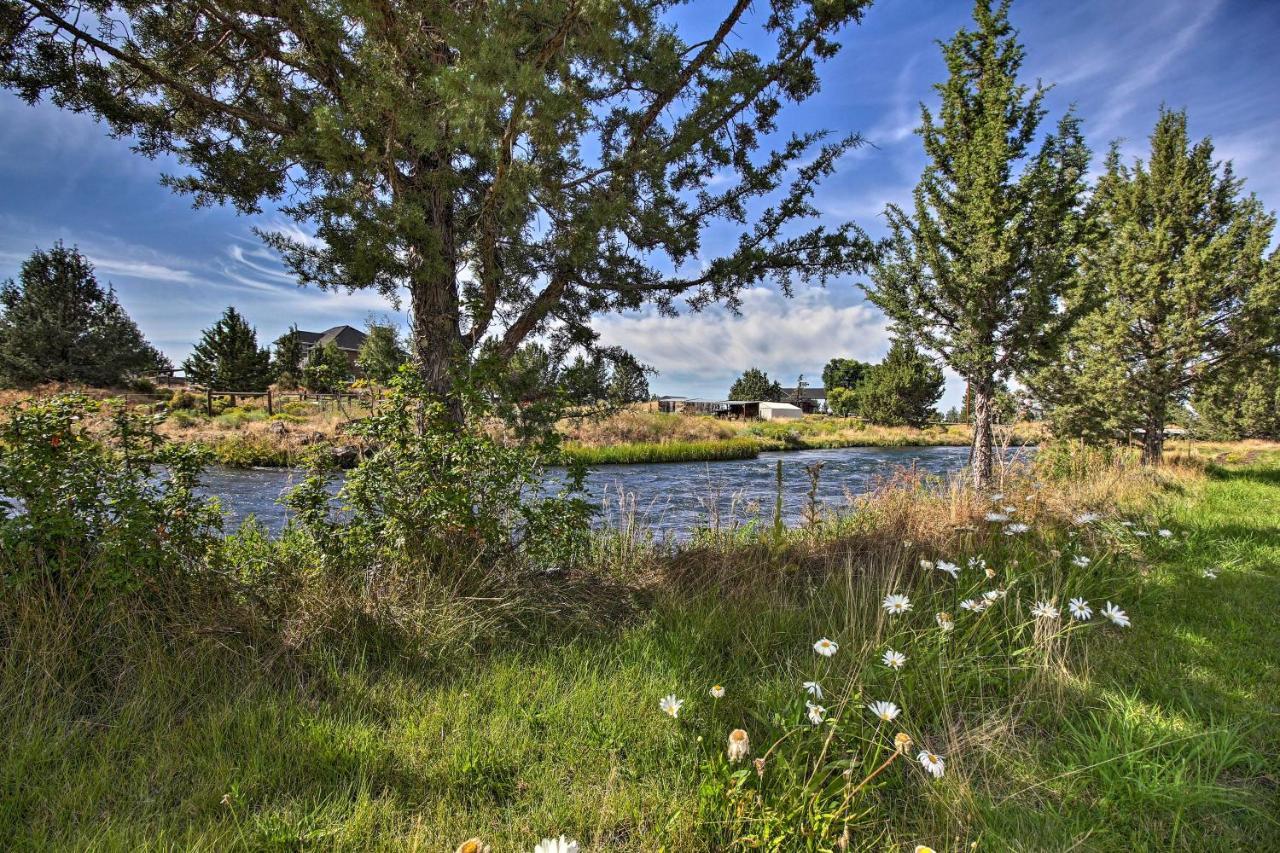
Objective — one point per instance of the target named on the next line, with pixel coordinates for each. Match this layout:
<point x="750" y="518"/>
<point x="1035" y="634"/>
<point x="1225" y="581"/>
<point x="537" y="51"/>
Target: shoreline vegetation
<point x="916" y="668"/>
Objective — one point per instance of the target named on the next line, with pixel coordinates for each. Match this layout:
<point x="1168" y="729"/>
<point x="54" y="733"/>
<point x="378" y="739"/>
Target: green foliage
<point x="629" y="383"/>
<point x="527" y="167"/>
<point x="381" y="355"/>
<point x="57" y="324"/>
<point x="286" y="358"/>
<point x="976" y="271"/>
<point x="112" y="513"/>
<point x="1176" y="286"/>
<point x="842" y="373"/>
<point x="901" y="390"/>
<point x="227" y="357"/>
<point x="327" y="370"/>
<point x="842" y="401"/>
<point x="452" y="503"/>
<point x="1241" y="399"/>
<point x="754" y="384"/>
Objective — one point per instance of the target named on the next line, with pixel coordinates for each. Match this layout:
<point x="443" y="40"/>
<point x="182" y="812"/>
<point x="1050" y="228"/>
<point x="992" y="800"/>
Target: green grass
<point x="672" y="451"/>
<point x="1161" y="736"/>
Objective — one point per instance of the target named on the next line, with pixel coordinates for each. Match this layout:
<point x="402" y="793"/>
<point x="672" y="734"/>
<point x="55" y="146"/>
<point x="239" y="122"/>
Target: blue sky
<point x="175" y="268"/>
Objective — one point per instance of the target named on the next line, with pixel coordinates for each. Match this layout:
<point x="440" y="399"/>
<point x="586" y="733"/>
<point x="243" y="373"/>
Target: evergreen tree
<point x="754" y="384"/>
<point x="1180" y="288"/>
<point x="523" y="164"/>
<point x="586" y="380"/>
<point x="1241" y="400"/>
<point x="381" y="354"/>
<point x="975" y="272"/>
<point x="843" y="373"/>
<point x="901" y="390"/>
<point x="286" y="360"/>
<point x="629" y="383"/>
<point x="227" y="357"/>
<point x="57" y="324"/>
<point x="327" y="370"/>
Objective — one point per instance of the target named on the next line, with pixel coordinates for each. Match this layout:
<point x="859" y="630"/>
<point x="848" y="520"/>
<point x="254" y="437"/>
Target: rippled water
<point x="669" y="497"/>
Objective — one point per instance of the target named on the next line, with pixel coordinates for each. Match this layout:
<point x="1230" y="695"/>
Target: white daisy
<point x="739" y="746"/>
<point x="1081" y="560"/>
<point x="896" y="603"/>
<point x="556" y="845"/>
<point x="1164" y="534"/>
<point x="997" y="497"/>
<point x="1116" y="615"/>
<point x="997" y="517"/>
<point x="826" y="647"/>
<point x="894" y="660"/>
<point x="977" y="562"/>
<point x="814" y="689"/>
<point x="1045" y="610"/>
<point x="816" y="713"/>
<point x="932" y="763"/>
<point x="973" y="605"/>
<point x="950" y="568"/>
<point x="716" y="691"/>
<point x="1144" y="534"/>
<point x="1080" y="609"/>
<point x="1127" y="523"/>
<point x="1010" y="510"/>
<point x="1016" y="528"/>
<point x="670" y="705"/>
<point x="945" y="622"/>
<point x="1086" y="518"/>
<point x="993" y="595"/>
<point x="886" y="711"/>
<point x="1211" y="574"/>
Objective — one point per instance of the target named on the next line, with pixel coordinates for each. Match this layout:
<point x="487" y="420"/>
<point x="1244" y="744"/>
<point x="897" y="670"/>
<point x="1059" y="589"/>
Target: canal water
<point x="668" y="497"/>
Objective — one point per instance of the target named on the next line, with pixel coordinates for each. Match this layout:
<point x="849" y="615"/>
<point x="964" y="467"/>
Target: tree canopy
<point x="227" y="357"/>
<point x="327" y="369"/>
<point x="515" y="167"/>
<point x="57" y="324"/>
<point x="843" y="373"/>
<point x="901" y="390"/>
<point x="381" y="354"/>
<point x="975" y="272"/>
<point x="1178" y="285"/>
<point x="754" y="384"/>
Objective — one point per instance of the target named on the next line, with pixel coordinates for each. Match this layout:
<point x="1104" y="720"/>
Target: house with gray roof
<point x="347" y="338"/>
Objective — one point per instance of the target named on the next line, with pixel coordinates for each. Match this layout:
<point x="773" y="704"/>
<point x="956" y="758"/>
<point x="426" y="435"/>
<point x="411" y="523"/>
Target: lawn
<point x="1057" y="735"/>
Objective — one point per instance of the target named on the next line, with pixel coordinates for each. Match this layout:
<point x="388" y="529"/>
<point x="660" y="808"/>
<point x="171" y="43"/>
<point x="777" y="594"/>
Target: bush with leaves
<point x="434" y="500"/>
<point x="327" y="369"/>
<point x="113" y="511"/>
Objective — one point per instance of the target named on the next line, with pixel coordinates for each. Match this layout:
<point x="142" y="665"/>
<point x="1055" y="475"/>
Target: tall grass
<point x="672" y="451"/>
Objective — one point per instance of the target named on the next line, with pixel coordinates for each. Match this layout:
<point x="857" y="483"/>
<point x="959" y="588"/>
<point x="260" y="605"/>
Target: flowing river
<point x="667" y="497"/>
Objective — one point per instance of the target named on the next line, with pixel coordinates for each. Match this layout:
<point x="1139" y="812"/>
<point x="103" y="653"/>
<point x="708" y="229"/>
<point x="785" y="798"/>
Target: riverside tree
<point x="754" y="384"/>
<point x="975" y="271"/>
<point x="515" y="167"/>
<point x="1181" y="285"/>
<point x="286" y="358"/>
<point x="381" y="354"/>
<point x="227" y="356"/>
<point x="901" y="390"/>
<point x="57" y="324"/>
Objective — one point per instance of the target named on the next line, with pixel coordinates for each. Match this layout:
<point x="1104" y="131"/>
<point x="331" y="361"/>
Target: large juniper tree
<point x="975" y="270"/>
<point x="57" y="324"/>
<point x="227" y="357"/>
<point x="516" y="167"/>
<point x="1181" y="286"/>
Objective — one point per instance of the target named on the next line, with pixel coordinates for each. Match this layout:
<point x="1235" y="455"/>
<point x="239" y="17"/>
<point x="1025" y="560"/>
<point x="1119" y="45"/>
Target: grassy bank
<point x="1056" y="734"/>
<point x="672" y="451"/>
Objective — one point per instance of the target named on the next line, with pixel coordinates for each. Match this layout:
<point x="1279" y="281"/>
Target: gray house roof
<point x="808" y="392"/>
<point x="346" y="337"/>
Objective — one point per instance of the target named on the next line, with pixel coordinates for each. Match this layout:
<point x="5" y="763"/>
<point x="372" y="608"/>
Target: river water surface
<point x="667" y="497"/>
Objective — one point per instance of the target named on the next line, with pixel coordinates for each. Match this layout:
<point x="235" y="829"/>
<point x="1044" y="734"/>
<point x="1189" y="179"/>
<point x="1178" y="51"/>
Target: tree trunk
<point x="982" y="452"/>
<point x="437" y="344"/>
<point x="1153" y="438"/>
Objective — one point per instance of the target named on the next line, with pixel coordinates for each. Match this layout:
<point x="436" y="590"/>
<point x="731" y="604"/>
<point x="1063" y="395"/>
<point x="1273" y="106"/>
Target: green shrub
<point x="181" y="399"/>
<point x="82" y="510"/>
<point x="183" y="418"/>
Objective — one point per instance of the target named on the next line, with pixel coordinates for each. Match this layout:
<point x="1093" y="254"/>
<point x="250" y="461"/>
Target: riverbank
<point x="1056" y="734"/>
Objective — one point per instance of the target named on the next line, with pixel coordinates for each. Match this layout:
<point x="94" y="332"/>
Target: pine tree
<point x="1180" y="290"/>
<point x="57" y="324"/>
<point x="901" y="390"/>
<point x="974" y="273"/>
<point x="327" y="370"/>
<point x="629" y="382"/>
<point x="286" y="359"/>
<point x="381" y="354"/>
<point x="227" y="357"/>
<point x="754" y="384"/>
<point x="514" y="167"/>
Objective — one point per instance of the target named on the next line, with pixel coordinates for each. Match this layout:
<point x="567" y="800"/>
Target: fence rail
<point x="274" y="397"/>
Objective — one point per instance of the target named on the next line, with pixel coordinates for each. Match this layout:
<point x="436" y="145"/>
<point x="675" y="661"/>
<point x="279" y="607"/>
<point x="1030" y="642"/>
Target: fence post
<point x="270" y="412"/>
<point x="208" y="401"/>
